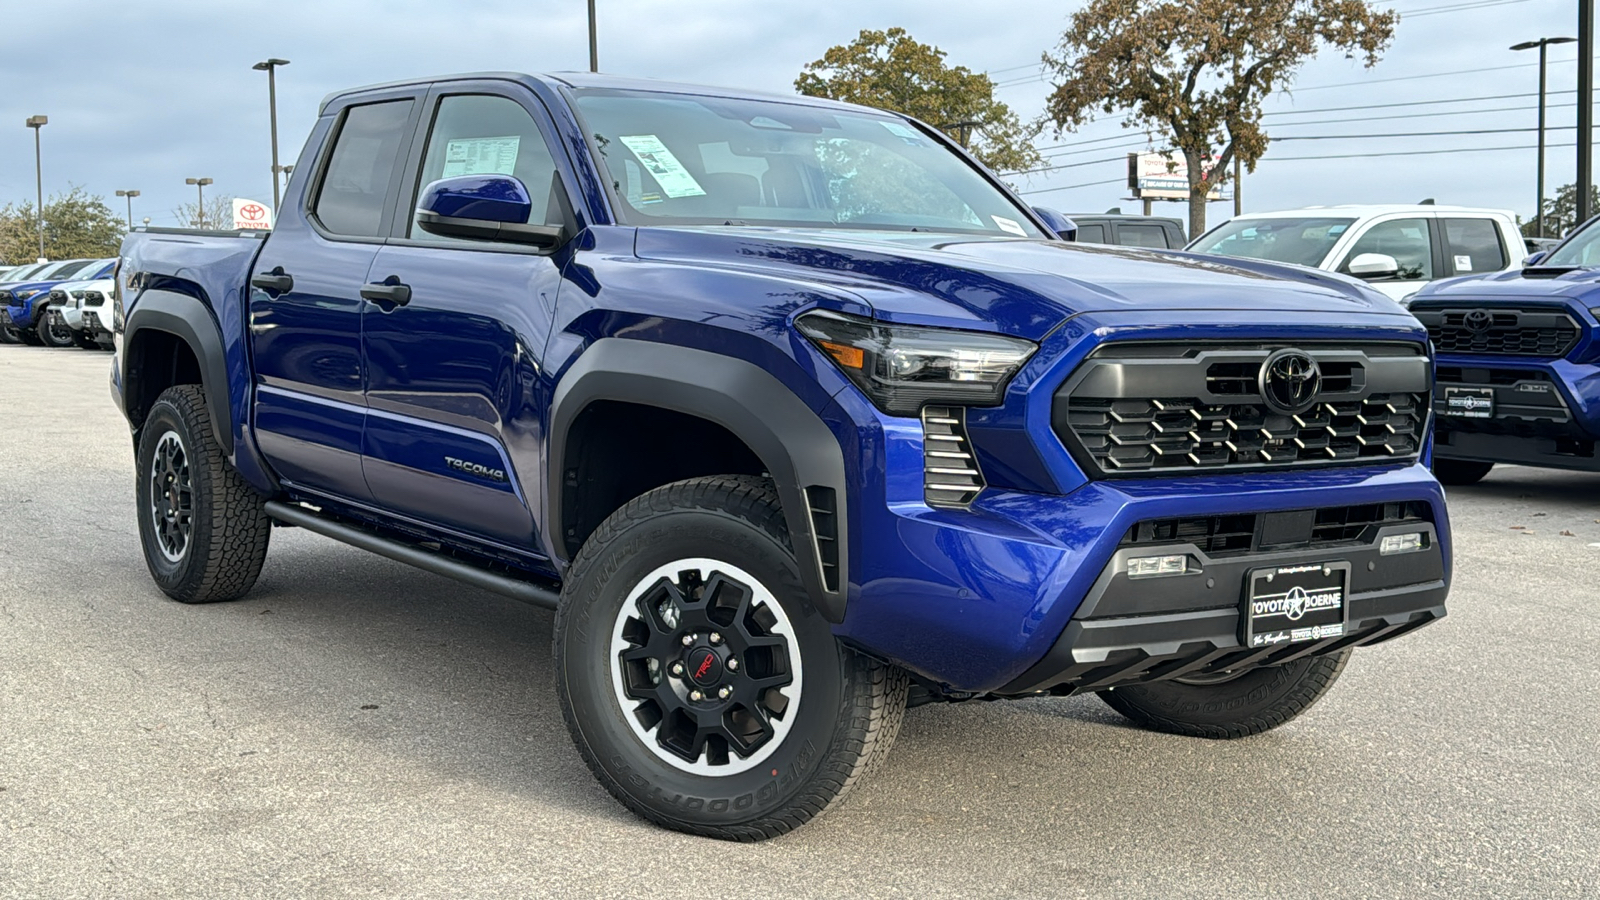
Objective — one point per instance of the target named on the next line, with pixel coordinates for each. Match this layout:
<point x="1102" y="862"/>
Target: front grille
<point x="1538" y="333"/>
<point x="58" y="296"/>
<point x="94" y="298"/>
<point x="951" y="477"/>
<point x="6" y="298"/>
<point x="1234" y="535"/>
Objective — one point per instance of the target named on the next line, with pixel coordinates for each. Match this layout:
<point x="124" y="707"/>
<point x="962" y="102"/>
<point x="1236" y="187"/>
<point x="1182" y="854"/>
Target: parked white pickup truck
<point x="86" y="308"/>
<point x="1397" y="249"/>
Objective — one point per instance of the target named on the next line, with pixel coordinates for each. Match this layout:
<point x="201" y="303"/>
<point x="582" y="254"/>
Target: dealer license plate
<point x="1290" y="604"/>
<point x="1470" y="403"/>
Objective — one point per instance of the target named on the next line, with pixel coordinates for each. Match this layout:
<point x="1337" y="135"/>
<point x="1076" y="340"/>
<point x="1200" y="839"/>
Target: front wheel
<point x="702" y="688"/>
<point x="53" y="330"/>
<point x="1229" y="705"/>
<point x="9" y="335"/>
<point x="1460" y="472"/>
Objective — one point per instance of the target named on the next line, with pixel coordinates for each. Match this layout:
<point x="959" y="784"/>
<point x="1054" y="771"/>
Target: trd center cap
<point x="703" y="667"/>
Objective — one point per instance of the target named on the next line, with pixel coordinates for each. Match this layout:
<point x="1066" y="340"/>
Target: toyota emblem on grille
<point x="1289" y="381"/>
<point x="1478" y="321"/>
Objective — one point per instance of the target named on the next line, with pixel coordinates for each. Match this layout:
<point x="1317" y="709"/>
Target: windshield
<point x="1304" y="241"/>
<point x="1582" y="250"/>
<point x="27" y="272"/>
<point x="65" y="270"/>
<point x="686" y="160"/>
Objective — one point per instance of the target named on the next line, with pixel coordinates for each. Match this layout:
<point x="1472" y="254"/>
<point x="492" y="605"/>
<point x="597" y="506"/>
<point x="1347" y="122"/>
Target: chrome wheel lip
<point x="171" y="497"/>
<point x="761" y="595"/>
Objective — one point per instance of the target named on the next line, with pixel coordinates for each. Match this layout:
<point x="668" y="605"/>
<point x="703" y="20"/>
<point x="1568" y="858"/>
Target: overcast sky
<point x="144" y="94"/>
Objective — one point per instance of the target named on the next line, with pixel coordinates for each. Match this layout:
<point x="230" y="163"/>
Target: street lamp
<point x="200" y="192"/>
<point x="270" y="66"/>
<point x="594" y="43"/>
<point x="37" y="123"/>
<point x="1541" y="43"/>
<point x="130" y="195"/>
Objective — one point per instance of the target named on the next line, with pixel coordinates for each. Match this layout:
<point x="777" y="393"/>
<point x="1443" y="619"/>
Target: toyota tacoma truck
<point x="1518" y="363"/>
<point x="794" y="414"/>
<point x="30" y="310"/>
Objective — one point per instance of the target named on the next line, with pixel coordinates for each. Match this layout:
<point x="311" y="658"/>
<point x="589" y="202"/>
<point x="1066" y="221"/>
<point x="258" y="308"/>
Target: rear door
<point x="1142" y="234"/>
<point x="1473" y="245"/>
<point x="1409" y="238"/>
<point x="454" y="390"/>
<point x="305" y="298"/>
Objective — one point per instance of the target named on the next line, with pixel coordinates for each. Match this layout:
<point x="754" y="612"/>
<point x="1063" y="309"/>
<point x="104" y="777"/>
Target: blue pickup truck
<point x="1518" y="363"/>
<point x="795" y="415"/>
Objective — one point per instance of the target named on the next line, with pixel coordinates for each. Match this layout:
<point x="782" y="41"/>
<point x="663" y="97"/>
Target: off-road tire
<point x="48" y="336"/>
<point x="849" y="707"/>
<point x="1256" y="701"/>
<point x="229" y="529"/>
<point x="9" y="335"/>
<point x="1460" y="472"/>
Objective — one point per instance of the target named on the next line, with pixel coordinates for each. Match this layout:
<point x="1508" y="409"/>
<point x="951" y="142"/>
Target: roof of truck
<point x="1367" y="210"/>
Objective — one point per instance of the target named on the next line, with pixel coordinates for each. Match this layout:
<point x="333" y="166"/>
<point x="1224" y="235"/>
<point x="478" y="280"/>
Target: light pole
<point x="1585" y="107"/>
<point x="1541" y="43"/>
<point x="270" y="66"/>
<point x="200" y="193"/>
<point x="130" y="195"/>
<point x="37" y="123"/>
<point x="594" y="43"/>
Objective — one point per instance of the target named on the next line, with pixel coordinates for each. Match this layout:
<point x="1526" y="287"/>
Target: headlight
<point x="901" y="367"/>
<point x="1595" y="311"/>
<point x="23" y="295"/>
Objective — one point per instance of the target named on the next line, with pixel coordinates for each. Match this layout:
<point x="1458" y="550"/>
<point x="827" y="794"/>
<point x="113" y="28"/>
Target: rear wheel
<point x="700" y="685"/>
<point x="53" y="330"/>
<point x="1460" y="472"/>
<point x="1229" y="705"/>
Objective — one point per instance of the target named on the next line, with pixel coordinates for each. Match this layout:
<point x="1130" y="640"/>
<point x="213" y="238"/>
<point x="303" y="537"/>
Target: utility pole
<point x="130" y="195"/>
<point x="1585" y="107"/>
<point x="1238" y="196"/>
<point x="594" y="43"/>
<point x="1541" y="43"/>
<point x="37" y="123"/>
<point x="200" y="192"/>
<point x="270" y="66"/>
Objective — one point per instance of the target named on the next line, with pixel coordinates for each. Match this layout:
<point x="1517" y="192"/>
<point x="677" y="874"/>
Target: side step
<point x="436" y="563"/>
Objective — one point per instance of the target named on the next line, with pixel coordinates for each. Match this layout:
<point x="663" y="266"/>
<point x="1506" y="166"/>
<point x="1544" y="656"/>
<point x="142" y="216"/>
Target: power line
<point x="1063" y="166"/>
<point x="1414" y="115"/>
<point x="1400" y="153"/>
<point x="1323" y="109"/>
<point x="1403" y="134"/>
<point x="1068" y="187"/>
<point x="1456" y="7"/>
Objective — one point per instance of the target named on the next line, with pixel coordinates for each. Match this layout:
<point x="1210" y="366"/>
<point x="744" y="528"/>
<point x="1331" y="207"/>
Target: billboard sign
<point x="251" y="214"/>
<point x="1163" y="176"/>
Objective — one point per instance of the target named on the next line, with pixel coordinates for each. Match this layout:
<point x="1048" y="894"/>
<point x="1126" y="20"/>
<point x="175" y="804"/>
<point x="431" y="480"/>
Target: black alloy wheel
<point x="53" y="329"/>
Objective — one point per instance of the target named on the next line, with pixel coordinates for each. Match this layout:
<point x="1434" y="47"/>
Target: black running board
<point x="436" y="563"/>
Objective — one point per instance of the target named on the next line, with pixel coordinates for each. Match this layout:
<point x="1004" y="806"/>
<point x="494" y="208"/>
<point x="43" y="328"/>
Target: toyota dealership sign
<point x="251" y="214"/>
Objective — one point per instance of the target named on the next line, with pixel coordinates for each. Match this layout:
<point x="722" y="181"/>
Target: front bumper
<point x="1544" y="413"/>
<point x="17" y="317"/>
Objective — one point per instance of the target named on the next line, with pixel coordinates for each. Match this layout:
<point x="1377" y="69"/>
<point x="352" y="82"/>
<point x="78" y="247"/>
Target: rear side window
<point x="1404" y="239"/>
<point x="1091" y="234"/>
<point x="355" y="187"/>
<point x="1142" y="236"/>
<point x="1473" y="245"/>
<point x="480" y="134"/>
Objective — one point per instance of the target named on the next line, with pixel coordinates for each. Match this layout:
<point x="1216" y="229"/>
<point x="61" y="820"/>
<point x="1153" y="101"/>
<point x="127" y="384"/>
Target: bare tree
<point x="218" y="214"/>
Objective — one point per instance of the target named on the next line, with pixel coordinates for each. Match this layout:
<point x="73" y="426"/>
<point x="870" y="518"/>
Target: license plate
<point x="1469" y="403"/>
<point x="1290" y="604"/>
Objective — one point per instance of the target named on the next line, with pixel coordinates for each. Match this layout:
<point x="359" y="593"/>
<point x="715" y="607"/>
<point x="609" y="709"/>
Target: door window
<point x="355" y="187"/>
<point x="1142" y="236"/>
<point x="481" y="134"/>
<point x="1473" y="245"/>
<point x="1091" y="234"/>
<point x="1404" y="239"/>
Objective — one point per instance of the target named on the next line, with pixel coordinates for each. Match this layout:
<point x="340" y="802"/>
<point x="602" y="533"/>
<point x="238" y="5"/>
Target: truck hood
<point x="1517" y="285"/>
<point x="1021" y="287"/>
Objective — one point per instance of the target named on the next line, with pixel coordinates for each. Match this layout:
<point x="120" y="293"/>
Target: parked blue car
<point x="795" y="414"/>
<point x="24" y="304"/>
<point x="1518" y="363"/>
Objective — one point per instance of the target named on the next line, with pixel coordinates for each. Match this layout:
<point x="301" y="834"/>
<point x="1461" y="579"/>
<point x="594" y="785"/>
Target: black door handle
<point x="389" y="290"/>
<point x="275" y="280"/>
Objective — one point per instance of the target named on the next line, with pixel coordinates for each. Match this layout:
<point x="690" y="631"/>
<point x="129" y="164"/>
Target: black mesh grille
<point x="1538" y="333"/>
<point x="1237" y="534"/>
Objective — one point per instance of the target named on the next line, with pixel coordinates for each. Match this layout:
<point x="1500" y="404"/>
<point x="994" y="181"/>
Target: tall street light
<point x="37" y="123"/>
<point x="200" y="192"/>
<point x="270" y="66"/>
<point x="1541" y="43"/>
<point x="130" y="195"/>
<point x="1585" y="107"/>
<point x="594" y="43"/>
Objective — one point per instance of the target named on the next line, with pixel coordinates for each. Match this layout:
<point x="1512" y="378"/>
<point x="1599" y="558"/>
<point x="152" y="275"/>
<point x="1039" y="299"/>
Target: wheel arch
<point x="793" y="445"/>
<point x="171" y="338"/>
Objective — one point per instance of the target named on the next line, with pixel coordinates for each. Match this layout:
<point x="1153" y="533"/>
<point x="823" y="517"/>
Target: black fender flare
<point x="190" y="320"/>
<point x="794" y="445"/>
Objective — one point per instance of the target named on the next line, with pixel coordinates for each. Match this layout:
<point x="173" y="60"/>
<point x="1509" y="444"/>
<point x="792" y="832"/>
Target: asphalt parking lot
<point x="357" y="728"/>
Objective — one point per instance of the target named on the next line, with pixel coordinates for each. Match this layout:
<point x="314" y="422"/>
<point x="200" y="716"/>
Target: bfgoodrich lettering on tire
<point x="203" y="529"/>
<point x="1229" y="706"/>
<point x="699" y="684"/>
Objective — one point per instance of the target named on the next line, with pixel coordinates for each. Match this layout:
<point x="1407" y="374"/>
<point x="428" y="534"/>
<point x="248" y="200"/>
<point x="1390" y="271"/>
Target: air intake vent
<point x="950" y="470"/>
<point x="824" y="506"/>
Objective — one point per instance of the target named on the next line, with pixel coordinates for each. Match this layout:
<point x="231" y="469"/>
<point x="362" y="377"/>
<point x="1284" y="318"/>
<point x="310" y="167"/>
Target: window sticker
<point x="481" y="156"/>
<point x="674" y="179"/>
<point x="1463" y="263"/>
<point x="1009" y="226"/>
<point x="904" y="133"/>
<point x="1338" y="229"/>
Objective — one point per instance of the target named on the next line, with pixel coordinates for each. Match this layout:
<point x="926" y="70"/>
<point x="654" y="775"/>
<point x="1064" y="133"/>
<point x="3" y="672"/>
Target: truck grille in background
<point x="1146" y="409"/>
<point x="951" y="477"/>
<point x="6" y="299"/>
<point x="1331" y="526"/>
<point x="58" y="296"/>
<point x="1539" y="333"/>
<point x="93" y="299"/>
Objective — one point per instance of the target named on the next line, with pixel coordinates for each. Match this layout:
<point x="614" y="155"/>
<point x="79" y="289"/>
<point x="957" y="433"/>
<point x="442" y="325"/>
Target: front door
<point x="305" y="304"/>
<point x="453" y="372"/>
<point x="1410" y="241"/>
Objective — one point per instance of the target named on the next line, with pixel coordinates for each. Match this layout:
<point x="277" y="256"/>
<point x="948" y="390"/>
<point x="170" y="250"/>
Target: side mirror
<point x="1531" y="261"/>
<point x="1374" y="265"/>
<point x="1063" y="227"/>
<point x="484" y="207"/>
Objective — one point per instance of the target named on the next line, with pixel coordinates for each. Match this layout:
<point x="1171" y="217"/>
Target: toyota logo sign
<point x="1289" y="381"/>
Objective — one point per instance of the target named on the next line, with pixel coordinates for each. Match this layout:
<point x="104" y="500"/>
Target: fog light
<point x="1149" y="566"/>
<point x="1400" y="543"/>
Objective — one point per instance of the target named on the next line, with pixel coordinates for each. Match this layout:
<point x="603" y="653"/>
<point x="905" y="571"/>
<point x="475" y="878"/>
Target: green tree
<point x="1561" y="212"/>
<point x="1196" y="71"/>
<point x="77" y="224"/>
<point x="891" y="70"/>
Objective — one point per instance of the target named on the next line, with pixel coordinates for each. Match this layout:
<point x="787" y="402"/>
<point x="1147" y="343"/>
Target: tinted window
<point x="1142" y="236"/>
<point x="355" y="186"/>
<point x="1404" y="239"/>
<point x="1091" y="234"/>
<point x="479" y="134"/>
<point x="1473" y="245"/>
<point x="68" y="269"/>
<point x="1304" y="241"/>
